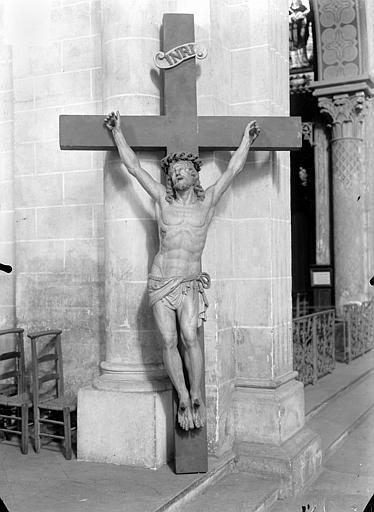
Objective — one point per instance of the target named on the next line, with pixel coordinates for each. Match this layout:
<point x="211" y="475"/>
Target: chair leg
<point x="67" y="433"/>
<point x="24" y="429"/>
<point x="36" y="429"/>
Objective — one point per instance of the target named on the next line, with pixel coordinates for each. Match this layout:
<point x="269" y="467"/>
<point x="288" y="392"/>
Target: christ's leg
<point x="188" y="318"/>
<point x="166" y="322"/>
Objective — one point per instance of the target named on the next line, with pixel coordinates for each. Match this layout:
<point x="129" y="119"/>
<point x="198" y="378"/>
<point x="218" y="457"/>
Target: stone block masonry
<point x="7" y="245"/>
<point x="58" y="196"/>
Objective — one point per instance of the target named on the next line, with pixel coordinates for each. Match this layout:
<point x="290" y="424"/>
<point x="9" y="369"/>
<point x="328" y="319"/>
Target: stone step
<point x="218" y="469"/>
<point x="340" y="381"/>
<point x="236" y="492"/>
<point x="343" y="413"/>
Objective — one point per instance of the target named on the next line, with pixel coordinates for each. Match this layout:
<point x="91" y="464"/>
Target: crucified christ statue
<point x="176" y="284"/>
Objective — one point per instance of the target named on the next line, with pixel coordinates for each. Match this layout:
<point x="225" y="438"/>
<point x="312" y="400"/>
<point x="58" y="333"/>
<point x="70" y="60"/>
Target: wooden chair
<point x="52" y="408"/>
<point x="15" y="401"/>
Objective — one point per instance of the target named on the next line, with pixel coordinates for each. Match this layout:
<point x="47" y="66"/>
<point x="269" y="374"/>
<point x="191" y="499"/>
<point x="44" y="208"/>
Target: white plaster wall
<point x="7" y="246"/>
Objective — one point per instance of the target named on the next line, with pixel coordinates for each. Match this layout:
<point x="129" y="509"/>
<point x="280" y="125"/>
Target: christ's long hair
<point x="189" y="157"/>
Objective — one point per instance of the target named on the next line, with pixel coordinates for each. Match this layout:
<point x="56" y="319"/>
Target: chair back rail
<point x="10" y="375"/>
<point x="10" y="355"/>
<point x="16" y="330"/>
<point x="48" y="377"/>
<point x="47" y="357"/>
<point x="41" y="334"/>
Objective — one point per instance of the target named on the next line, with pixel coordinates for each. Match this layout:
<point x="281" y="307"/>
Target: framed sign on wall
<point x="320" y="276"/>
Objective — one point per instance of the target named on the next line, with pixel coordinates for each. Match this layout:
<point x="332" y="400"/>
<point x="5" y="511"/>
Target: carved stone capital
<point x="346" y="113"/>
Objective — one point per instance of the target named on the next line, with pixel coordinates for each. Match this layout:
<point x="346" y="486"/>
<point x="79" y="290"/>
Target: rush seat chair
<point x="15" y="400"/>
<point x="54" y="412"/>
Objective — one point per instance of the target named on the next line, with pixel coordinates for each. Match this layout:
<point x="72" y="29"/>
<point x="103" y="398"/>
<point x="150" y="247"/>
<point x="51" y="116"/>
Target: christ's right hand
<point x="252" y="131"/>
<point x="113" y="121"/>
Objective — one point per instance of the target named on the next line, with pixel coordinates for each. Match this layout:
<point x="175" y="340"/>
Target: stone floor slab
<point x="235" y="492"/>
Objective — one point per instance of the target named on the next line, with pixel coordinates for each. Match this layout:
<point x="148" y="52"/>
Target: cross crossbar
<point x="87" y="132"/>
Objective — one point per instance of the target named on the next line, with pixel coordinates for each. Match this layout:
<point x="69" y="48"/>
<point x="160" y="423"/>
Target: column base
<point x="125" y="426"/>
<point x="269" y="415"/>
<point x="296" y="462"/>
<point x="271" y="437"/>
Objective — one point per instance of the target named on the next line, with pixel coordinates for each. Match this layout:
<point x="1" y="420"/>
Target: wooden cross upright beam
<point x="181" y="129"/>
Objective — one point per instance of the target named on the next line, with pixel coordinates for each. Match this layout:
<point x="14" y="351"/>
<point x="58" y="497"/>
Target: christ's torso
<point x="182" y="232"/>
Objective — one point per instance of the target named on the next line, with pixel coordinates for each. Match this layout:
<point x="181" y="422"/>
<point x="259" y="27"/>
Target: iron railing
<point x="300" y="304"/>
<point x="314" y="345"/>
<point x="358" y="329"/>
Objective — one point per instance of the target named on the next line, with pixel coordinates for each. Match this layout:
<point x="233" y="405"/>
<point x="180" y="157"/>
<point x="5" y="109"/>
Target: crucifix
<point x="179" y="130"/>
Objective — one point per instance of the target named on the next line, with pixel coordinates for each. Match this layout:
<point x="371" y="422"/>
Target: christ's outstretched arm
<point x="130" y="160"/>
<point x="236" y="163"/>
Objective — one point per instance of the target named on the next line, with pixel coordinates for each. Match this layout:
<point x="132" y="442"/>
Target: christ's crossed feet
<point x="191" y="414"/>
<point x="198" y="412"/>
<point x="185" y="415"/>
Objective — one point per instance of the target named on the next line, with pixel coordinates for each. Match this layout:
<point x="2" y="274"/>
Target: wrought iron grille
<point x="359" y="329"/>
<point x="314" y="345"/>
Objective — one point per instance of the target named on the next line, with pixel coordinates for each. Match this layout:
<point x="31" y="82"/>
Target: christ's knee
<point x="190" y="339"/>
<point x="170" y="342"/>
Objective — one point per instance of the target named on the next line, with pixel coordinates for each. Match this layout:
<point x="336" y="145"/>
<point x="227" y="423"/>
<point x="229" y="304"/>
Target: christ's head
<point x="182" y="173"/>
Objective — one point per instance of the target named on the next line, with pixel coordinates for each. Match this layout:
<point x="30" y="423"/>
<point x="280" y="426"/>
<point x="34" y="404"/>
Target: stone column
<point x="322" y="295"/>
<point x="369" y="159"/>
<point x="322" y="194"/>
<point x="346" y="112"/>
<point x="130" y="403"/>
<point x="131" y="238"/>
<point x="7" y="238"/>
<point x="268" y="401"/>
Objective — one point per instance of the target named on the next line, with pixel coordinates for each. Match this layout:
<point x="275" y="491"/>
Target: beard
<point x="181" y="185"/>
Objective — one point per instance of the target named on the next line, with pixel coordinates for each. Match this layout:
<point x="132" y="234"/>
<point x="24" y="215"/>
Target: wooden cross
<point x="180" y="129"/>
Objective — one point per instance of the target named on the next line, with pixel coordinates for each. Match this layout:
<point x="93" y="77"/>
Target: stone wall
<point x="7" y="246"/>
<point x="58" y="195"/>
<point x="132" y="86"/>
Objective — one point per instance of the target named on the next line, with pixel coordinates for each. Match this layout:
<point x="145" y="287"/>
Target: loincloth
<point x="172" y="290"/>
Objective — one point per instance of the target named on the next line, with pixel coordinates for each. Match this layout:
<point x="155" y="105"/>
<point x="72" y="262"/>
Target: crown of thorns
<point x="174" y="157"/>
